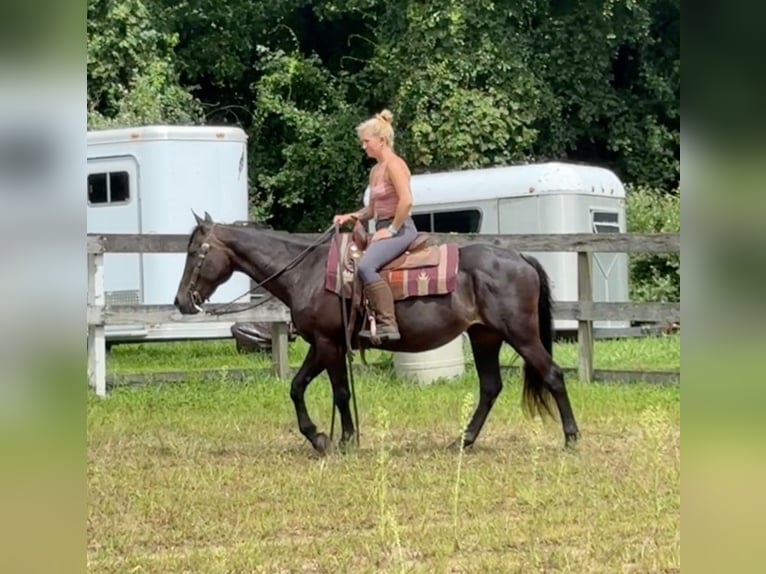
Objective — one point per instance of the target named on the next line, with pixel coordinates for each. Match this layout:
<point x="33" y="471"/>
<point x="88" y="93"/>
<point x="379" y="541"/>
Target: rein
<point x="222" y="309"/>
<point x="347" y="334"/>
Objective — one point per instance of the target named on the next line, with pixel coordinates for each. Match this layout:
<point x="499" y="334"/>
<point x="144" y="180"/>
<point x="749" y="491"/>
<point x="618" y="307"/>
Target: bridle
<point x="194" y="295"/>
<point x="227" y="308"/>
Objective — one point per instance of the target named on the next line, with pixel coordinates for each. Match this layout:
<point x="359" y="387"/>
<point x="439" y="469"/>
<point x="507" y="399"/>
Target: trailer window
<point x="462" y="221"/>
<point x="422" y="221"/>
<point x="466" y="221"/>
<point x="106" y="188"/>
<point x="606" y="222"/>
<point x="97" y="188"/>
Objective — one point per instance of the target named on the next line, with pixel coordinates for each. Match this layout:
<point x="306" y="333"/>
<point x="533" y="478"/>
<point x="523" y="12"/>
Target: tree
<point x="131" y="72"/>
<point x="306" y="162"/>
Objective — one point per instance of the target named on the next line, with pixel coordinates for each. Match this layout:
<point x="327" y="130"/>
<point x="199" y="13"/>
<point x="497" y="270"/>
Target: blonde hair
<point x="379" y="125"/>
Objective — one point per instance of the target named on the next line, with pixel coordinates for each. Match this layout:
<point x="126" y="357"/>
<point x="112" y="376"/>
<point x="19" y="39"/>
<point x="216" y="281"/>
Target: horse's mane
<point x="261" y="228"/>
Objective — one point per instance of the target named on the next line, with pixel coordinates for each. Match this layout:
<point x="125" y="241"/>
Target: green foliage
<point x="611" y="75"/>
<point x="461" y="127"/>
<point x="304" y="152"/>
<point x="654" y="277"/>
<point x="131" y="74"/>
<point x="471" y="83"/>
<point x="457" y="80"/>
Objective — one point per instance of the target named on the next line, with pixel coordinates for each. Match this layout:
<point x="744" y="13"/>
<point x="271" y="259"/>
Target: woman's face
<point x="371" y="144"/>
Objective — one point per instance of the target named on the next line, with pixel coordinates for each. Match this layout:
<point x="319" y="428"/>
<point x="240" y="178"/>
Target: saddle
<point x="417" y="254"/>
<point x="422" y="270"/>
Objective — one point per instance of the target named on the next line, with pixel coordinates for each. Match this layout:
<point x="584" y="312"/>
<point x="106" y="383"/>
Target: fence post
<point x="584" y="327"/>
<point x="96" y="337"/>
<point x="279" y="349"/>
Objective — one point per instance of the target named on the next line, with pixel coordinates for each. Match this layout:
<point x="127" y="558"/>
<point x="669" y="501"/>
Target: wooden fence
<point x="584" y="310"/>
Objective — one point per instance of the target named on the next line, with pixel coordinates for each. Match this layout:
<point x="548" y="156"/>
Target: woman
<point x="389" y="205"/>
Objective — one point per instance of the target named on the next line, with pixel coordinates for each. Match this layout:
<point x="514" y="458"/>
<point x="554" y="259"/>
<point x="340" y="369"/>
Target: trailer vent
<point x="606" y="222"/>
<point x="127" y="297"/>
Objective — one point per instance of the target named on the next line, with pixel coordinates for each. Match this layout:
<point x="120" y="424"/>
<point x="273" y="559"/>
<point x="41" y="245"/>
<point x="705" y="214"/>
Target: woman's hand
<point x="341" y="219"/>
<point x="383" y="233"/>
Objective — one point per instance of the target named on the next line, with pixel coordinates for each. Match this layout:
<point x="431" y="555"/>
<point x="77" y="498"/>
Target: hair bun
<point x="386" y="116"/>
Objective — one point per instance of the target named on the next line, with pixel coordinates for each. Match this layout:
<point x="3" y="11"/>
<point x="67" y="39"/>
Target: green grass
<point x="215" y="477"/>
<point x="647" y="353"/>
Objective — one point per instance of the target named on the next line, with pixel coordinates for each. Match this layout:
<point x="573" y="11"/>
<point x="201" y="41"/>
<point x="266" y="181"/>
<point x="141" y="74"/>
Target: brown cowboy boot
<point x="382" y="303"/>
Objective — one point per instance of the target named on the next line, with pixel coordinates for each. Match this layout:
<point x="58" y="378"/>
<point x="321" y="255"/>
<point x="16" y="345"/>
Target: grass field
<point x="215" y="477"/>
<point x="648" y="353"/>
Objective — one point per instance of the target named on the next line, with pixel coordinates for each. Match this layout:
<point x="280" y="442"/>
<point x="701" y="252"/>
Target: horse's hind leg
<point x="485" y="344"/>
<point x="553" y="380"/>
<point x="543" y="378"/>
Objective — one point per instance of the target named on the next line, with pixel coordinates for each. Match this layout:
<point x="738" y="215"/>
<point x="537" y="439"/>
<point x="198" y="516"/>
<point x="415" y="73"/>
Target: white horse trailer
<point x="544" y="198"/>
<point x="147" y="180"/>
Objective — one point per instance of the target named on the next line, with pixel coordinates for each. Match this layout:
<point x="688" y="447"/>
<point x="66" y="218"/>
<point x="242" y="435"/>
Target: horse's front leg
<point x="311" y="367"/>
<point x="334" y="360"/>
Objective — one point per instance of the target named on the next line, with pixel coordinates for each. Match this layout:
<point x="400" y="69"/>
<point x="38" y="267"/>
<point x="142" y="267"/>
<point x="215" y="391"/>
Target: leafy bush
<point x="132" y="75"/>
<point x="654" y="277"/>
<point x="306" y="163"/>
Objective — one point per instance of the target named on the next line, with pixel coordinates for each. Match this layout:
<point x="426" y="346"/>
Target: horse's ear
<point x="197" y="218"/>
<point x="208" y="219"/>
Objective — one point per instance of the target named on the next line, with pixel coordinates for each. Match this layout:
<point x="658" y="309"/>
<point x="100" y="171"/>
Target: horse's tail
<point x="536" y="396"/>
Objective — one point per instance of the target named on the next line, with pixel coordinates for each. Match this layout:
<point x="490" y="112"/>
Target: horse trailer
<point x="543" y="198"/>
<point x="147" y="180"/>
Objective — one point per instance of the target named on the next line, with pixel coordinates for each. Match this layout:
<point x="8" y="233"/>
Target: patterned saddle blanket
<point x="422" y="270"/>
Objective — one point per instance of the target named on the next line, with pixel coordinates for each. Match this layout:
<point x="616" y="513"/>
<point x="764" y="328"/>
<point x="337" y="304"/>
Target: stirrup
<point x="384" y="336"/>
<point x="377" y="336"/>
<point x="370" y="333"/>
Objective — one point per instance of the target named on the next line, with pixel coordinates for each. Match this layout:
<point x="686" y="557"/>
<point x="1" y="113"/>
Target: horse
<point x="499" y="296"/>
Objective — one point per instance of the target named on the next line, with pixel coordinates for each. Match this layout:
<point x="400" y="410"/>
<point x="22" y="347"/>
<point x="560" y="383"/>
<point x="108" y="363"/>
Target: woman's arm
<point x="364" y="214"/>
<point x="399" y="175"/>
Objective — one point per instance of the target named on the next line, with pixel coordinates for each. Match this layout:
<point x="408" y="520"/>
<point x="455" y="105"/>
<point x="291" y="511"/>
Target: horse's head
<point x="208" y="265"/>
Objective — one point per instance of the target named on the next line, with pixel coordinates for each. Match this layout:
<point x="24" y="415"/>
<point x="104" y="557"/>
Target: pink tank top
<point x="386" y="200"/>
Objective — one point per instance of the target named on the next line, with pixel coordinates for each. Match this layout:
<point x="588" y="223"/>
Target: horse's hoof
<point x="570" y="440"/>
<point x="321" y="443"/>
<point x="346" y="446"/>
<point x="458" y="445"/>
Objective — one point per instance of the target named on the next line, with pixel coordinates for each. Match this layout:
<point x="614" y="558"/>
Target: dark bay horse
<point x="500" y="296"/>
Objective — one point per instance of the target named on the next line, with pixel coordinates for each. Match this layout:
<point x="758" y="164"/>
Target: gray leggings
<point x="381" y="252"/>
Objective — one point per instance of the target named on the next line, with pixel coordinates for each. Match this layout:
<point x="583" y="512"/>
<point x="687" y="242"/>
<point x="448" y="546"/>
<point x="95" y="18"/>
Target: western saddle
<point x="361" y="238"/>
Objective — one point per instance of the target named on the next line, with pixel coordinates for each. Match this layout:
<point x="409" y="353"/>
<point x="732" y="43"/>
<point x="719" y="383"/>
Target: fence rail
<point x="569" y="242"/>
<point x="584" y="310"/>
